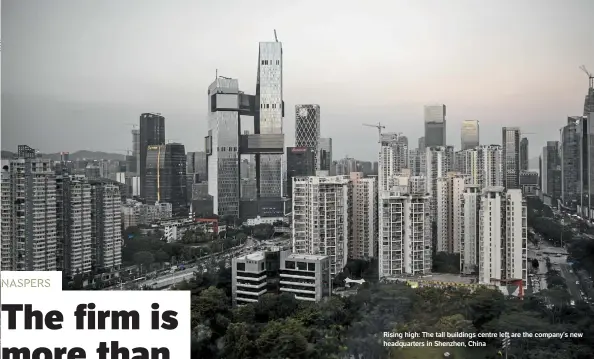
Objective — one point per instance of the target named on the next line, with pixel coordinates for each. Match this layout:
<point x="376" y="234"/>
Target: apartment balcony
<point x="252" y="294"/>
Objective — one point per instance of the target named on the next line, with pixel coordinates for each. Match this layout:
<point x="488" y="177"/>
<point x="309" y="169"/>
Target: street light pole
<point x="505" y="344"/>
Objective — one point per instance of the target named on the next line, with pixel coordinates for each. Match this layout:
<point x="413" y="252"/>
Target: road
<point x="570" y="280"/>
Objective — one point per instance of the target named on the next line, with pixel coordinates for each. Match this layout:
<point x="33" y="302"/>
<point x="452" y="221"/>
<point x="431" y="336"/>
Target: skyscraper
<point x="363" y="243"/>
<point x="490" y="163"/>
<point x="449" y="212"/>
<point x="325" y="154"/>
<point x="511" y="157"/>
<point x="438" y="163"/>
<point x="152" y="133"/>
<point x="435" y="125"/>
<point x="586" y="149"/>
<point x="269" y="122"/>
<point x="469" y="134"/>
<point x="393" y="158"/>
<point x="300" y="162"/>
<point x="524" y="159"/>
<point x="28" y="225"/>
<point x="551" y="170"/>
<point x="166" y="175"/>
<point x="134" y="166"/>
<point x="469" y="246"/>
<point x="106" y="224"/>
<point x="570" y="162"/>
<point x="589" y="100"/>
<point x="307" y="128"/>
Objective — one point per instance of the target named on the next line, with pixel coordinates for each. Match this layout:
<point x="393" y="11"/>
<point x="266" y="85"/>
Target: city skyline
<point x="111" y="92"/>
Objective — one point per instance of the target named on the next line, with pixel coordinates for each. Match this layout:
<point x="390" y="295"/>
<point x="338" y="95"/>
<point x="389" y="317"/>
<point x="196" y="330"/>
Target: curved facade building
<point x="166" y="175"/>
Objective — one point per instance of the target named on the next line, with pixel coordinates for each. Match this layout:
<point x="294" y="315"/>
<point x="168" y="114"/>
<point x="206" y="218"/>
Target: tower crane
<point x="133" y="125"/>
<point x="590" y="76"/>
<point x="379" y="127"/>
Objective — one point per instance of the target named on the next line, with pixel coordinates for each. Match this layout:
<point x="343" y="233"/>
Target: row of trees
<point x="278" y="326"/>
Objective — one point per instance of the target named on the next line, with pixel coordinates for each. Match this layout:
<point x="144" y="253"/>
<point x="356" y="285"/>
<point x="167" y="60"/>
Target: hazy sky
<point x="77" y="74"/>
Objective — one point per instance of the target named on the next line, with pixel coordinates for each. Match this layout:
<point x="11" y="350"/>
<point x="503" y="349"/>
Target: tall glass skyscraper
<point x="470" y="134"/>
<point x="152" y="133"/>
<point x="435" y="125"/>
<point x="307" y="128"/>
<point x="511" y="157"/>
<point x="166" y="175"/>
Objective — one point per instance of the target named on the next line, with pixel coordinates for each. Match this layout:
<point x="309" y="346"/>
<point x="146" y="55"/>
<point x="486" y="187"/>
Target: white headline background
<point x="53" y="298"/>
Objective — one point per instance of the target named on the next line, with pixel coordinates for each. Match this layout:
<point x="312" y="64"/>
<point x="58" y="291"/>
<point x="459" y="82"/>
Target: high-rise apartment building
<point x="152" y="133"/>
<point x="393" y="158"/>
<point x="404" y="234"/>
<point x="345" y="166"/>
<point x="490" y="162"/>
<point x="134" y="163"/>
<point x="450" y="190"/>
<point x="585" y="133"/>
<point x="503" y="237"/>
<point x="435" y="125"/>
<point x="470" y="134"/>
<point x="322" y="218"/>
<point x="439" y="161"/>
<point x="307" y="128"/>
<point x="28" y="223"/>
<point x="524" y="160"/>
<point x="570" y="162"/>
<point x="551" y="170"/>
<point x="75" y="241"/>
<point x="106" y="224"/>
<point x="325" y="154"/>
<point x="470" y="234"/>
<point x="511" y="157"/>
<point x="467" y="163"/>
<point x="165" y="175"/>
<point x="363" y="243"/>
<point x="300" y="162"/>
<point x="416" y="161"/>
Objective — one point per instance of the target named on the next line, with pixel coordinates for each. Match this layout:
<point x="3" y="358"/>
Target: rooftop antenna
<point x="275" y="38"/>
<point x="590" y="76"/>
<point x="216" y="74"/>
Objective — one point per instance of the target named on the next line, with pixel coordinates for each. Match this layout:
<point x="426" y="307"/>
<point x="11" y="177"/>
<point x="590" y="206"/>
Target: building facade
<point x="511" y="157"/>
<point x="152" y="133"/>
<point x="435" y="125"/>
<point x="305" y="276"/>
<point x="307" y="128"/>
<point x="470" y="234"/>
<point x="469" y="134"/>
<point x="322" y="218"/>
<point x="450" y="190"/>
<point x="524" y="158"/>
<point x="301" y="161"/>
<point x="325" y="154"/>
<point x="363" y="243"/>
<point x="570" y="162"/>
<point x="439" y="161"/>
<point x="551" y="170"/>
<point x="165" y="173"/>
<point x="106" y="224"/>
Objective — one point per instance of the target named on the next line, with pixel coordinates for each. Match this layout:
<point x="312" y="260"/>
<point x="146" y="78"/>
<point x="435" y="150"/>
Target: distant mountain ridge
<point x="78" y="155"/>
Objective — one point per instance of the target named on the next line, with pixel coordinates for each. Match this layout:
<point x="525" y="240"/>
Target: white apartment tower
<point x="393" y="158"/>
<point x="28" y="221"/>
<point x="363" y="244"/>
<point x="449" y="212"/>
<point x="471" y="204"/>
<point x="404" y="234"/>
<point x="467" y="163"/>
<point x="503" y="236"/>
<point x="106" y="227"/>
<point x="74" y="250"/>
<point x="490" y="162"/>
<point x="439" y="161"/>
<point x="322" y="217"/>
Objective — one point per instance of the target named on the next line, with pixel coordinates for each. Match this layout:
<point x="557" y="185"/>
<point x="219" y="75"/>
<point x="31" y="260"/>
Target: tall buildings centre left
<point x="226" y="142"/>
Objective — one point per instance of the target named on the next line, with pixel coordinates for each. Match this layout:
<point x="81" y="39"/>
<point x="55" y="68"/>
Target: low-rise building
<point x="135" y="213"/>
<point x="249" y="279"/>
<point x="306" y="276"/>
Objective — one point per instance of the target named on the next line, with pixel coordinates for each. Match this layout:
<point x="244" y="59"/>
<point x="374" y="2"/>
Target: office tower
<point x="152" y="133"/>
<point x="393" y="158"/>
<point x="28" y="213"/>
<point x="570" y="162"/>
<point x="421" y="144"/>
<point x="490" y="162"/>
<point x="449" y="212"/>
<point x="366" y="167"/>
<point x="325" y="154"/>
<point x="322" y="218"/>
<point x="439" y="161"/>
<point x="435" y="125"/>
<point x="551" y="170"/>
<point x="300" y="162"/>
<point x="469" y="134"/>
<point x="73" y="212"/>
<point x="511" y="157"/>
<point x="106" y="224"/>
<point x="134" y="163"/>
<point x="585" y="133"/>
<point x="222" y="146"/>
<point x="307" y="127"/>
<point x="404" y="234"/>
<point x="269" y="123"/>
<point x="503" y="237"/>
<point x="166" y="175"/>
<point x="363" y="244"/>
<point x="196" y="165"/>
<point x="524" y="159"/>
<point x="471" y="204"/>
<point x="249" y="189"/>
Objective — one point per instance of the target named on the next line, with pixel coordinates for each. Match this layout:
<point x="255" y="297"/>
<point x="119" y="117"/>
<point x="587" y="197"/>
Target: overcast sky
<point x="77" y="74"/>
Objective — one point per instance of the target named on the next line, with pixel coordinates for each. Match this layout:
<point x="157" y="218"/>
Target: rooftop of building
<point x="255" y="256"/>
<point x="310" y="257"/>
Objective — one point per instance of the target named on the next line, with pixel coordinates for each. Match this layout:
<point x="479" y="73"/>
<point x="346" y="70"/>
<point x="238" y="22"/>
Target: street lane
<point x="570" y="279"/>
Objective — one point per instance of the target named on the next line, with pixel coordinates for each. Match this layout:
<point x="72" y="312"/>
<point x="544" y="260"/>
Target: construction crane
<point x="379" y="127"/>
<point x="133" y="125"/>
<point x="590" y="76"/>
<point x="275" y="38"/>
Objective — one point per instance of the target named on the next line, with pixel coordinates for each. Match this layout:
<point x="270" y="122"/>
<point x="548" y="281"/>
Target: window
<point x="240" y="266"/>
<point x="301" y="265"/>
<point x="262" y="62"/>
<point x="311" y="267"/>
<point x="278" y="62"/>
<point x="290" y="265"/>
<point x="267" y="105"/>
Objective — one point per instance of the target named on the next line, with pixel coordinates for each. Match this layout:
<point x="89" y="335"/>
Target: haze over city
<point x="77" y="74"/>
